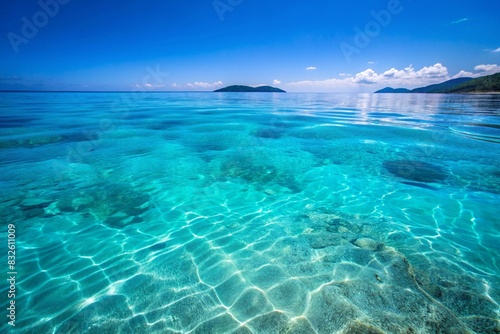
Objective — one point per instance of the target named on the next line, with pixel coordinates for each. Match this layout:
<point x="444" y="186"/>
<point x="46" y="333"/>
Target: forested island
<point x="486" y="84"/>
<point x="248" y="89"/>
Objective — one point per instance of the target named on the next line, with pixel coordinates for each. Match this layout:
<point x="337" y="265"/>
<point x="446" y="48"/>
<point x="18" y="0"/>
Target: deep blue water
<point x="252" y="213"/>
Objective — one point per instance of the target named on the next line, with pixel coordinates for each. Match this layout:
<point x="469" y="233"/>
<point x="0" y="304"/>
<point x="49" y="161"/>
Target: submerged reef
<point x="413" y="170"/>
<point x="256" y="171"/>
<point x="116" y="205"/>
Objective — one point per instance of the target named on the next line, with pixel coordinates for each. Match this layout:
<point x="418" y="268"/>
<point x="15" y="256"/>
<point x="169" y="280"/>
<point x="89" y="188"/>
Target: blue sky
<point x="324" y="46"/>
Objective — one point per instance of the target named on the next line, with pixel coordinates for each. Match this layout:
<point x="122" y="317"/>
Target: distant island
<point x="248" y="89"/>
<point x="393" y="90"/>
<point x="486" y="84"/>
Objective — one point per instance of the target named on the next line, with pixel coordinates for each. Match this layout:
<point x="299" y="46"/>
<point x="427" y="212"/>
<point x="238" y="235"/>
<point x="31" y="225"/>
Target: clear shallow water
<point x="252" y="213"/>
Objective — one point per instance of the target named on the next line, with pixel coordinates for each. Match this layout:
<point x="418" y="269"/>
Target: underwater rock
<point x="370" y="244"/>
<point x="117" y="205"/>
<point x="357" y="327"/>
<point x="320" y="240"/>
<point x="343" y="229"/>
<point x="483" y="324"/>
<point x="245" y="168"/>
<point x="299" y="325"/>
<point x="269" y="192"/>
<point x="269" y="133"/>
<point x="328" y="218"/>
<point x="413" y="170"/>
<point x="34" y="207"/>
<point x="30" y="142"/>
<point x="35" y="202"/>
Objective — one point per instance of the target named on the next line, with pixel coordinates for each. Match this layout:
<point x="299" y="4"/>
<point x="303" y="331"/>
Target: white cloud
<point x="369" y="80"/>
<point x="487" y="69"/>
<point x="464" y="74"/>
<point x="201" y="85"/>
<point x="148" y="86"/>
<point x="311" y="68"/>
<point x="324" y="85"/>
<point x="393" y="73"/>
<point x="496" y="50"/>
<point x="436" y="71"/>
<point x="371" y="62"/>
<point x="407" y="76"/>
<point x="481" y="70"/>
<point x="368" y="76"/>
<point x="460" y="21"/>
<point x="208" y="85"/>
<point x="276" y="82"/>
<point x="218" y="84"/>
<point x="344" y="74"/>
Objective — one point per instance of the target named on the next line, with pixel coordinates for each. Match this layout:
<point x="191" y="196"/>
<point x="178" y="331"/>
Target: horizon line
<point x="157" y="91"/>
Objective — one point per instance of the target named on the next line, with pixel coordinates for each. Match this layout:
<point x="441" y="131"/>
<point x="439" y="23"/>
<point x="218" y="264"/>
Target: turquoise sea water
<point x="251" y="213"/>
